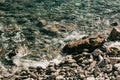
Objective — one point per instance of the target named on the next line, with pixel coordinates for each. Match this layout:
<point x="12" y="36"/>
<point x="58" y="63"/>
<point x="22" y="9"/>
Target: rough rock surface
<point x="115" y="34"/>
<point x="86" y="44"/>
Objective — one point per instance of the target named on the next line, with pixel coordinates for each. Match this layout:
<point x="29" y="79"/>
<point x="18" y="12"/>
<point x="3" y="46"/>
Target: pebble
<point x="90" y="78"/>
<point x="59" y="77"/>
<point x="100" y="78"/>
<point x="1" y="77"/>
<point x="4" y="71"/>
<point x="117" y="66"/>
<point x="118" y="77"/>
<point x="43" y="21"/>
<point x="77" y="4"/>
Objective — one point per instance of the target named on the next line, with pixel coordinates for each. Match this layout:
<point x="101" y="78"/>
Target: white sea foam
<point x="20" y="62"/>
<point x="74" y="36"/>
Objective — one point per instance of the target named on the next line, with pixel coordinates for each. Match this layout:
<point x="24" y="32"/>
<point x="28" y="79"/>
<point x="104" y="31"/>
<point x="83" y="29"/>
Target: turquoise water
<point x="79" y="12"/>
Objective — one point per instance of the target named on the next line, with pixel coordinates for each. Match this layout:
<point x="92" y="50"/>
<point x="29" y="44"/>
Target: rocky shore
<point x="92" y="57"/>
<point x="59" y="40"/>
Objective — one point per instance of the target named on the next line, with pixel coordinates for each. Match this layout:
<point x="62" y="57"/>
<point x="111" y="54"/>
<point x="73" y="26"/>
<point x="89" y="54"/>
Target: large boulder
<point x="115" y="34"/>
<point x="86" y="44"/>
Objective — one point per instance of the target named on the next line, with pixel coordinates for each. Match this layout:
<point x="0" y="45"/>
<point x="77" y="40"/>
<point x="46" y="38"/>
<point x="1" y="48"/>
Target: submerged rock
<point x="54" y="28"/>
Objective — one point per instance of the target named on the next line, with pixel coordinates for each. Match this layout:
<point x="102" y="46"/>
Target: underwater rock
<point x="86" y="44"/>
<point x="10" y="28"/>
<point x="51" y="27"/>
<point x="114" y="24"/>
<point x="58" y="26"/>
<point x="43" y="21"/>
<point x="115" y="34"/>
<point x="29" y="34"/>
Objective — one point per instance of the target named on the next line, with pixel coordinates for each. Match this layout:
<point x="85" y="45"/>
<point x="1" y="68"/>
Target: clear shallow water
<point x="79" y="12"/>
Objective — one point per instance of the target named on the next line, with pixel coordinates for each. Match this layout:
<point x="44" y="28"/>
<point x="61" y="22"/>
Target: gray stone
<point x="118" y="77"/>
<point x="117" y="66"/>
<point x="115" y="34"/>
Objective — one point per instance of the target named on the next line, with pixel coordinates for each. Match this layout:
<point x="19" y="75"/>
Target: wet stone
<point x="86" y="44"/>
<point x="42" y="22"/>
<point x="114" y="24"/>
<point x="97" y="52"/>
<point x="115" y="34"/>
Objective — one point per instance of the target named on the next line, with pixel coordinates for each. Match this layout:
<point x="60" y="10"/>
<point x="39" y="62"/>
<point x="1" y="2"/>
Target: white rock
<point x="117" y="66"/>
<point x="59" y="77"/>
<point x="90" y="78"/>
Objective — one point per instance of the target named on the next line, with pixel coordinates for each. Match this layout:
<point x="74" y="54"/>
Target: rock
<point x="117" y="67"/>
<point x="86" y="44"/>
<point x="85" y="62"/>
<point x="10" y="28"/>
<point x="2" y="1"/>
<point x="92" y="65"/>
<point x="55" y="28"/>
<point x="9" y="55"/>
<point x="69" y="59"/>
<point x="116" y="73"/>
<point x="97" y="52"/>
<point x="77" y="4"/>
<point x="115" y="34"/>
<point x="100" y="78"/>
<point x="112" y="48"/>
<point x="118" y="77"/>
<point x="51" y="26"/>
<point x="29" y="79"/>
<point x="59" y="77"/>
<point x="90" y="78"/>
<point x="4" y="72"/>
<point x="1" y="77"/>
<point x="74" y="65"/>
<point x="108" y="68"/>
<point x="96" y="72"/>
<point x="114" y="24"/>
<point x="43" y="22"/>
<point x="29" y="34"/>
<point x="102" y="62"/>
